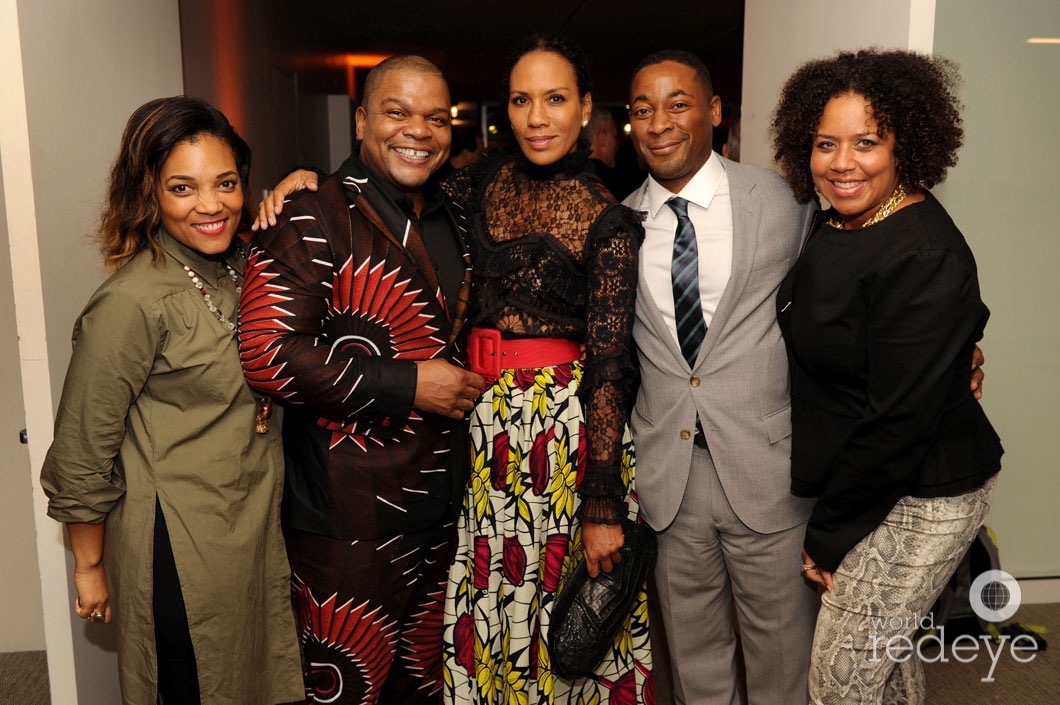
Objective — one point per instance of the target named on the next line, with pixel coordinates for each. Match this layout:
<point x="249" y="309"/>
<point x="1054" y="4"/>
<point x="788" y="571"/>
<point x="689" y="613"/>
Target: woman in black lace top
<point x="555" y="271"/>
<point x="554" y="259"/>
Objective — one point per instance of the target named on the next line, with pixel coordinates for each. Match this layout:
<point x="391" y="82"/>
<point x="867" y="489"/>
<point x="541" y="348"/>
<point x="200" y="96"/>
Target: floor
<point x="987" y="677"/>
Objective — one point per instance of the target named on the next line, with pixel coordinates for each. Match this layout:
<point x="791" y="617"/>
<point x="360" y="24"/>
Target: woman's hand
<point x="602" y="543"/>
<point x="90" y="580"/>
<point x="272" y="206"/>
<point x="93" y="598"/>
<point x="815" y="573"/>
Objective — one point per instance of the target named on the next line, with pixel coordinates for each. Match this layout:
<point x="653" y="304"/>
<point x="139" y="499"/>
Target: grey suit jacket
<point x="739" y="386"/>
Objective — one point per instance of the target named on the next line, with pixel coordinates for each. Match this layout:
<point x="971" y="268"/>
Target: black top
<point x="880" y="324"/>
<point x="436" y="228"/>
<point x="555" y="256"/>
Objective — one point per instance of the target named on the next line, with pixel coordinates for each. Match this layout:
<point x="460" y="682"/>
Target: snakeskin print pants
<point x="863" y="653"/>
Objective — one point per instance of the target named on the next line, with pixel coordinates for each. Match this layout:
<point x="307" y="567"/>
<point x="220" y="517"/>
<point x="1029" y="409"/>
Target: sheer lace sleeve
<point x="462" y="185"/>
<point x="607" y="384"/>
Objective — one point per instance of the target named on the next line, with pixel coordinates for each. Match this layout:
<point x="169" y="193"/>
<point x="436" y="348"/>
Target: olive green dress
<point x="155" y="405"/>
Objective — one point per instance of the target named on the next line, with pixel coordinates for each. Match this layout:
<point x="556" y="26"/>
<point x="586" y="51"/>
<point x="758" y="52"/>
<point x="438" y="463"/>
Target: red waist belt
<point x="488" y="353"/>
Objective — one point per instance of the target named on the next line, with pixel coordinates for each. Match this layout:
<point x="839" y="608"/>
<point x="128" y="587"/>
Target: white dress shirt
<point x="710" y="211"/>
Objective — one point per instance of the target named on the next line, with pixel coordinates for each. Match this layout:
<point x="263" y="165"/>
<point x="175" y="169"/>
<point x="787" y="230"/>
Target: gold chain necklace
<point x="885" y="210"/>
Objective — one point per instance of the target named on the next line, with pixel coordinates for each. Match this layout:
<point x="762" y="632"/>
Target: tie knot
<point x="678" y="205"/>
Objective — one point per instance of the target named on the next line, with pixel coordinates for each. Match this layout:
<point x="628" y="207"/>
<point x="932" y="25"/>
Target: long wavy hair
<point x="131" y="217"/>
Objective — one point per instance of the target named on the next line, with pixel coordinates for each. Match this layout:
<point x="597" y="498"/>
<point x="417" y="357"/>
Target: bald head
<point x="408" y="63"/>
<point x="403" y="123"/>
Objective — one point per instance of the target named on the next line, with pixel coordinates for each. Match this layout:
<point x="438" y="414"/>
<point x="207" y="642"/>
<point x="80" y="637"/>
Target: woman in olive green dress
<point x="165" y="468"/>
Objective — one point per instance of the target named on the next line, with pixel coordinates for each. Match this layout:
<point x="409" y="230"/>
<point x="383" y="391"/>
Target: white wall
<point x="779" y="35"/>
<point x="21" y="629"/>
<point x="1001" y="194"/>
<point x="73" y="72"/>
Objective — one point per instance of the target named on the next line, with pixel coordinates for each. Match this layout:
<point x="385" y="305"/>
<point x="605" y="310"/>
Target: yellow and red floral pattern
<point x="519" y="537"/>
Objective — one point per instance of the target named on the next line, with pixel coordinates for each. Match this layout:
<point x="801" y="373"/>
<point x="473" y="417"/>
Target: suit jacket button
<point x="685" y="434"/>
<point x="695" y="381"/>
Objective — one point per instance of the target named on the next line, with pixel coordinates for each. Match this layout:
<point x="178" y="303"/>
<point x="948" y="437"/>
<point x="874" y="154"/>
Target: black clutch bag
<point x="589" y="611"/>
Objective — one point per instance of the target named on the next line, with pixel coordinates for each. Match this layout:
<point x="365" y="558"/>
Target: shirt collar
<point x="209" y="268"/>
<point x="433" y="196"/>
<point x="700" y="190"/>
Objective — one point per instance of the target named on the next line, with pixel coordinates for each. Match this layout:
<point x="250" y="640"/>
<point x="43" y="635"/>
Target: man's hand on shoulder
<point x="272" y="206"/>
<point x="445" y="389"/>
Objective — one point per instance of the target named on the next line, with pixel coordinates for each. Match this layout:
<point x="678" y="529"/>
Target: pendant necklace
<point x="262" y="412"/>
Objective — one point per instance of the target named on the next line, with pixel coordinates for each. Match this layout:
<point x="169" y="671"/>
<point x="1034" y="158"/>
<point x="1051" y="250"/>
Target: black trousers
<point x="178" y="677"/>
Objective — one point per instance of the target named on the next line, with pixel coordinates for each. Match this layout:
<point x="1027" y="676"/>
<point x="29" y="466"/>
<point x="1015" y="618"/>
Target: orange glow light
<point x="352" y="62"/>
<point x="362" y="61"/>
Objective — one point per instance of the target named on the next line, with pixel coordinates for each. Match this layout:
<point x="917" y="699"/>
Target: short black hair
<point x="400" y="62"/>
<point x="679" y="56"/>
<point x="912" y="95"/>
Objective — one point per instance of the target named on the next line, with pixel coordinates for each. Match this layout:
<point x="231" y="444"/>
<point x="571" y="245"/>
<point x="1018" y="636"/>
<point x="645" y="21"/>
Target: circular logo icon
<point x="995" y="596"/>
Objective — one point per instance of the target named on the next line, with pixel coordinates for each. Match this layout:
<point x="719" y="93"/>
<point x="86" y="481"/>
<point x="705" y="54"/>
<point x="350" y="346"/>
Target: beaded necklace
<point x="885" y="210"/>
<point x="263" y="405"/>
<point x="197" y="283"/>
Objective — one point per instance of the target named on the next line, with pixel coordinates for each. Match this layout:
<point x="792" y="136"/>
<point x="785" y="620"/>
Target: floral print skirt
<point x="518" y="539"/>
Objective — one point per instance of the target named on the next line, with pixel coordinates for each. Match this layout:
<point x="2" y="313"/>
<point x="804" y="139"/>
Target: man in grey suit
<point x="712" y="420"/>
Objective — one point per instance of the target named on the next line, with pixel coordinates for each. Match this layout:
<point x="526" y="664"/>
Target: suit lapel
<point x="396" y="226"/>
<point x="648" y="311"/>
<point x="647" y="307"/>
<point x="388" y="219"/>
<point x="745" y="219"/>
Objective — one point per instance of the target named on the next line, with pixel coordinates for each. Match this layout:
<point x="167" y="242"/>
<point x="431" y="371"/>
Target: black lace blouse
<point x="555" y="256"/>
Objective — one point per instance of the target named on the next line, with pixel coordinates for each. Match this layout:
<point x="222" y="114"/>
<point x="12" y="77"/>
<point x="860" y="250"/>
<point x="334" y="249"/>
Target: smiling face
<point x="672" y="117"/>
<point x="200" y="197"/>
<point x="853" y="166"/>
<point x="544" y="106"/>
<point x="404" y="128"/>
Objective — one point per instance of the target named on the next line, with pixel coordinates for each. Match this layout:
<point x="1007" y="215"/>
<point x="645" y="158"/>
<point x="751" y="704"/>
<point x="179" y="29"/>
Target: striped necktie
<point x="684" y="270"/>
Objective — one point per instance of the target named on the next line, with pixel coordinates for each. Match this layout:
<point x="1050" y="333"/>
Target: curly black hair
<point x="913" y="96"/>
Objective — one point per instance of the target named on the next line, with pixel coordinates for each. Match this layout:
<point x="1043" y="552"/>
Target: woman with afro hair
<point x="881" y="314"/>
